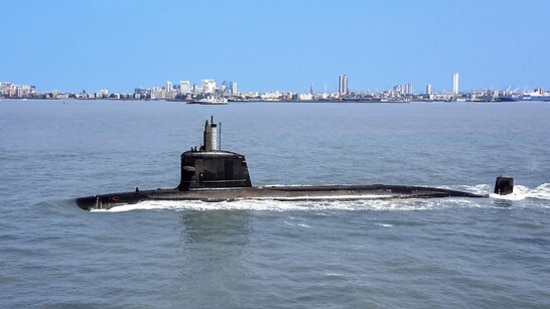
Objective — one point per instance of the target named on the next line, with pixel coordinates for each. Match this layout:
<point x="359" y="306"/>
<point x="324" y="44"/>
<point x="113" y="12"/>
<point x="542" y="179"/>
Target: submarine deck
<point x="280" y="193"/>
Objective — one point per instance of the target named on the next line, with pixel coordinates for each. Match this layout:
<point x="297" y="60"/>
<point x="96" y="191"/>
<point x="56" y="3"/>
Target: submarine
<point x="213" y="175"/>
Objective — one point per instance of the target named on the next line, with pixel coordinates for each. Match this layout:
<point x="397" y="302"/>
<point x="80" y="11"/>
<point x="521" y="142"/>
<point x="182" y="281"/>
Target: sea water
<point x="447" y="253"/>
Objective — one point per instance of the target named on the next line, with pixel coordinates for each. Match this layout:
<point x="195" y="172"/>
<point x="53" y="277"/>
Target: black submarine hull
<point x="279" y="193"/>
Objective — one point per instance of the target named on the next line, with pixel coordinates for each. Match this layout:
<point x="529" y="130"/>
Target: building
<point x="305" y="97"/>
<point x="102" y="94"/>
<point x="342" y="85"/>
<point x="455" y="83"/>
<point x="234" y="89"/>
<point x="409" y="89"/>
<point x="185" y="87"/>
<point x="428" y="89"/>
<point x="208" y="86"/>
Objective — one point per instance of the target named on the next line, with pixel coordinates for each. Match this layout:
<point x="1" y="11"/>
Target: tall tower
<point x="409" y="89"/>
<point x="342" y="85"/>
<point x="455" y="83"/>
<point x="428" y="89"/>
<point x="234" y="89"/>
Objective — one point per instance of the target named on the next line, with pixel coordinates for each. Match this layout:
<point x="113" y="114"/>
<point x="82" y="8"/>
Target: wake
<point x="521" y="193"/>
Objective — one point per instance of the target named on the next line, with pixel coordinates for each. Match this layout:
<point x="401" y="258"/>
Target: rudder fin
<point x="504" y="185"/>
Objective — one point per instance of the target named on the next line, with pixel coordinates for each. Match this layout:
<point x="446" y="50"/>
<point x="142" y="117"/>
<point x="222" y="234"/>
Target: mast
<point x="210" y="142"/>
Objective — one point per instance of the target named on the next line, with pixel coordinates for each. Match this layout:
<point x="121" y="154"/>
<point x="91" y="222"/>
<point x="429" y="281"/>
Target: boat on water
<point x="213" y="175"/>
<point x="524" y="98"/>
<point x="210" y="100"/>
<point x="538" y="95"/>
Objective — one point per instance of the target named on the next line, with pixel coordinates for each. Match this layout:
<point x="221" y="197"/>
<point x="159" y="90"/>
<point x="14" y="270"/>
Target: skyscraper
<point x="409" y="89"/>
<point x="455" y="83"/>
<point x="342" y="85"/>
<point x="234" y="89"/>
<point x="185" y="86"/>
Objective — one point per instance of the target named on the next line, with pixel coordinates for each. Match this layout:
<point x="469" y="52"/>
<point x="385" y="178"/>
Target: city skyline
<point x="209" y="89"/>
<point x="210" y="86"/>
<point x="275" y="45"/>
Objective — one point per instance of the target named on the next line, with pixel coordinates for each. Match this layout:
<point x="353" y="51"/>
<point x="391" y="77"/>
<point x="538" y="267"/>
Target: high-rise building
<point x="208" y="86"/>
<point x="428" y="89"/>
<point x="455" y="83"/>
<point x="234" y="89"/>
<point x="185" y="87"/>
<point x="398" y="90"/>
<point x="409" y="89"/>
<point x="342" y="84"/>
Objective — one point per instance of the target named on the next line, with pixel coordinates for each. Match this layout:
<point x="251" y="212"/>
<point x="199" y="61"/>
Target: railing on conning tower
<point x="212" y="138"/>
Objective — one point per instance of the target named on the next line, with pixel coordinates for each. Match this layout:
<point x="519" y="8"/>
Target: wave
<point x="289" y="205"/>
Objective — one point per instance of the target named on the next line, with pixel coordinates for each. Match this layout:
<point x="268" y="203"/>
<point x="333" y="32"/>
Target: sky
<point x="279" y="45"/>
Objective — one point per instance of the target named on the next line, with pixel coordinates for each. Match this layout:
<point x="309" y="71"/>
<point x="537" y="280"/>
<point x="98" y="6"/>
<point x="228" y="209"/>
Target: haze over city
<point x="275" y="45"/>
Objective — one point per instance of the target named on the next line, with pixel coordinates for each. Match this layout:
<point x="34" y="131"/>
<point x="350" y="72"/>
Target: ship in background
<point x="538" y="95"/>
<point x="210" y="100"/>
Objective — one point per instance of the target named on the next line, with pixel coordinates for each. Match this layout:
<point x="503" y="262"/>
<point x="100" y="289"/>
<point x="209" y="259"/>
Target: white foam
<point x="480" y="189"/>
<point x="367" y="202"/>
<point x="282" y="206"/>
<point x="541" y="192"/>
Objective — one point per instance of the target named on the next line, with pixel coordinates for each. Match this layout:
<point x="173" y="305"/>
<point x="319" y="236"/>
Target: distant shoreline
<point x="66" y="101"/>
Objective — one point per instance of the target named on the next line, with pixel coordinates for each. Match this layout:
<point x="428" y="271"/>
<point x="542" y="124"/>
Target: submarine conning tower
<point x="211" y="167"/>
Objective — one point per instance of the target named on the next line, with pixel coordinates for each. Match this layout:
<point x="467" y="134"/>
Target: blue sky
<point x="284" y="45"/>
